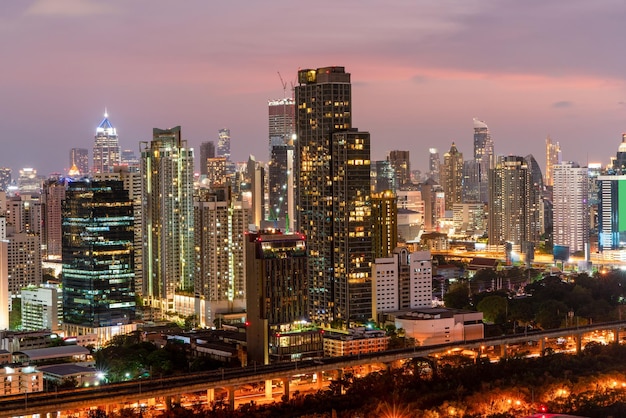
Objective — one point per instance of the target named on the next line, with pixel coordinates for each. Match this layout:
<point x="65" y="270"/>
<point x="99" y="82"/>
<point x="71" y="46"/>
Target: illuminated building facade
<point x="384" y="223"/>
<point x="52" y="199"/>
<point x="277" y="293"/>
<point x="106" y="148"/>
<point x="5" y="178"/>
<point x="223" y="144"/>
<point x="452" y="176"/>
<point x="570" y="207"/>
<point x="484" y="157"/>
<point x="553" y="157"/>
<point x="383" y="177"/>
<point x="168" y="221"/>
<point x="611" y="212"/>
<point x="334" y="208"/>
<point x="98" y="271"/>
<point x="281" y="121"/>
<point x="514" y="203"/>
<point x="281" y="193"/>
<point x="401" y="163"/>
<point x="217" y="171"/>
<point x="79" y="158"/>
<point x="219" y="233"/>
<point x="24" y="260"/>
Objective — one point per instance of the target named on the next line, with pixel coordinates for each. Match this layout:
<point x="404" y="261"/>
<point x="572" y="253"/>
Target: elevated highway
<point x="109" y="397"/>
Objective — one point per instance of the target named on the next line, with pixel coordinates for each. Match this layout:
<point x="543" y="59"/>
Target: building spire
<point x="106" y="114"/>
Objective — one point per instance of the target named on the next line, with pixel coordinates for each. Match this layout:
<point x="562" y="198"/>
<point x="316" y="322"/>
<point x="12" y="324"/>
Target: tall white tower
<point x="106" y="148"/>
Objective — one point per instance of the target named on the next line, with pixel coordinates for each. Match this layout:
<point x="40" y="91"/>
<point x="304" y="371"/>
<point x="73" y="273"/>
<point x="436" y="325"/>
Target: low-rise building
<point x="358" y="341"/>
<point x="16" y="380"/>
<point x="430" y="326"/>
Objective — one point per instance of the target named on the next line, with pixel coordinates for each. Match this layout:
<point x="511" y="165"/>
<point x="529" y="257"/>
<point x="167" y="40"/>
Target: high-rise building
<point x="570" y="209"/>
<point x="611" y="214"/>
<point x="29" y="182"/>
<point x="255" y="172"/>
<point x="98" y="274"/>
<point x="452" y="176"/>
<point x="384" y="223"/>
<point x="106" y="148"/>
<point x="220" y="227"/>
<point x="281" y="187"/>
<point x="553" y="157"/>
<point x="130" y="161"/>
<point x="470" y="218"/>
<point x="484" y="156"/>
<point x="5" y="296"/>
<point x="281" y="118"/>
<point x="132" y="183"/>
<point x="168" y="222"/>
<point x="42" y="307"/>
<point x="383" y="177"/>
<point x="52" y="199"/>
<point x="401" y="164"/>
<point x="24" y="260"/>
<point x="223" y="144"/>
<point x="79" y="158"/>
<point x="434" y="165"/>
<point x="276" y="281"/>
<point x="333" y="195"/>
<point x="5" y="178"/>
<point x="217" y="171"/>
<point x="513" y="204"/>
<point x="207" y="150"/>
<point x="471" y="181"/>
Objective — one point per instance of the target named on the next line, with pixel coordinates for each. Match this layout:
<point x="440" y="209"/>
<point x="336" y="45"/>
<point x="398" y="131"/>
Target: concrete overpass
<point x="112" y="396"/>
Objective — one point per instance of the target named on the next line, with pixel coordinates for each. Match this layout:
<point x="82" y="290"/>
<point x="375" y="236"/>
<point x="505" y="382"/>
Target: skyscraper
<point x="401" y="163"/>
<point x="611" y="214"/>
<point x="484" y="156"/>
<point x="452" y="176"/>
<point x="434" y="164"/>
<point x="53" y="196"/>
<point x="220" y="227"/>
<point x="276" y="280"/>
<point x="106" y="148"/>
<point x="168" y="222"/>
<point x="384" y="223"/>
<point x="281" y="187"/>
<point x="514" y="203"/>
<point x="79" y="158"/>
<point x="5" y="178"/>
<point x="333" y="187"/>
<point x="223" y="144"/>
<point x="553" y="157"/>
<point x="570" y="209"/>
<point x="207" y="150"/>
<point x="98" y="275"/>
<point x="281" y="118"/>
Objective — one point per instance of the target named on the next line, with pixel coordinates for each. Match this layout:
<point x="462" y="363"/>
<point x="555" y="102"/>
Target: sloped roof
<point x="54" y="352"/>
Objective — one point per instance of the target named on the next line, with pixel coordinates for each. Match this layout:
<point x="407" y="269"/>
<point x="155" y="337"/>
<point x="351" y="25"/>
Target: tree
<point x="457" y="296"/>
<point x="494" y="308"/>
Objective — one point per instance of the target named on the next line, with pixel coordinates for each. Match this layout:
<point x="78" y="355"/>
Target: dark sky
<point x="421" y="70"/>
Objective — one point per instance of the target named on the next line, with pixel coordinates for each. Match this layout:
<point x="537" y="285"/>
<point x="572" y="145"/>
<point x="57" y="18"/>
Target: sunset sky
<point x="421" y="70"/>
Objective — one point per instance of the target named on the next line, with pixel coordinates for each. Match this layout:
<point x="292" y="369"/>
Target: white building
<point x="403" y="281"/>
<point x="570" y="208"/>
<point x="469" y="218"/>
<point x="42" y="308"/>
<point x="429" y="326"/>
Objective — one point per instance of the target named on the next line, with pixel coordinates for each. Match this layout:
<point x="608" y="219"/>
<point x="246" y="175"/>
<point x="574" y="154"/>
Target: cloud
<point x="562" y="104"/>
<point x="70" y="8"/>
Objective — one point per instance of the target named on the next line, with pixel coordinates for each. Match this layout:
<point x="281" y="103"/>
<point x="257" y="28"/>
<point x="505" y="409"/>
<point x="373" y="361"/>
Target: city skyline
<point x="422" y="71"/>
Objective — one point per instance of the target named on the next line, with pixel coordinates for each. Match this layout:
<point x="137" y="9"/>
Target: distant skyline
<point x="421" y="70"/>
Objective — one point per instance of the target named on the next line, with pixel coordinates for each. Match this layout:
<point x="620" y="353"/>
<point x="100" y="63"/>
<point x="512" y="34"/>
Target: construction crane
<point x="284" y="83"/>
